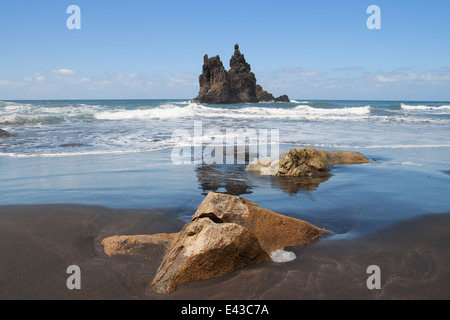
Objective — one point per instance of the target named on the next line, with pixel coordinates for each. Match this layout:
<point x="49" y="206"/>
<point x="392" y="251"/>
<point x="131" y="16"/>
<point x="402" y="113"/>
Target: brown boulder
<point x="315" y="163"/>
<point x="206" y="249"/>
<point x="225" y="233"/>
<point x="273" y="230"/>
<point x="306" y="162"/>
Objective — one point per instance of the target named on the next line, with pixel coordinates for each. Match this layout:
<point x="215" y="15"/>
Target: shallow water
<point x="354" y="200"/>
<point x="55" y="128"/>
<point x="119" y="154"/>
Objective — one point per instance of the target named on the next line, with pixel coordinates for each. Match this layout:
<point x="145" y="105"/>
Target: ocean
<point x="120" y="154"/>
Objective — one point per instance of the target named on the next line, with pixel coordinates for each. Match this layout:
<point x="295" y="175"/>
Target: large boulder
<point x="306" y="162"/>
<point x="225" y="233"/>
<point x="206" y="249"/>
<point x="273" y="230"/>
<point x="238" y="85"/>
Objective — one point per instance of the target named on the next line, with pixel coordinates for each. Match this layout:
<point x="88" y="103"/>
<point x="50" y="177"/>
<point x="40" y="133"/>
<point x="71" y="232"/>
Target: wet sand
<point x="38" y="243"/>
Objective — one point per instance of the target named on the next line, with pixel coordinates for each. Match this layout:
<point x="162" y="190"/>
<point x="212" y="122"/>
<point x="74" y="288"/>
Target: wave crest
<point x="424" y="107"/>
<point x="163" y="112"/>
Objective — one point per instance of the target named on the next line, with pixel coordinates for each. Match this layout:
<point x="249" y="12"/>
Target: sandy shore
<point x="38" y="243"/>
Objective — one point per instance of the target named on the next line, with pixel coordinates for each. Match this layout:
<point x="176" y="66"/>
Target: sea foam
<point x="281" y="256"/>
<point x="301" y="112"/>
<point x="424" y="107"/>
<point x="163" y="112"/>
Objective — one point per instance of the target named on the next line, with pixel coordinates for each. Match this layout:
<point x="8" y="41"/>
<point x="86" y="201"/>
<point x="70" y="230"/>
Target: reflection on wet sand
<point x="234" y="180"/>
<point x="294" y="185"/>
<point x="229" y="179"/>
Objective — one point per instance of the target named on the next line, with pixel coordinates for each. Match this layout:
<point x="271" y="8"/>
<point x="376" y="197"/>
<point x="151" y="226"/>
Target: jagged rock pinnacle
<point x="238" y="85"/>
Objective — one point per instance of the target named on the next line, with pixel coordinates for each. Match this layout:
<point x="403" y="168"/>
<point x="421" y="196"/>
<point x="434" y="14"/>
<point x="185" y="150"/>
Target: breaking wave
<point x="301" y="112"/>
<point x="12" y="113"/>
<point x="425" y="107"/>
<point x="55" y="128"/>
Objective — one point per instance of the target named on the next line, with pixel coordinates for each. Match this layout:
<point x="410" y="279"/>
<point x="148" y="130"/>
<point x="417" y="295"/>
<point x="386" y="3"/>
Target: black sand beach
<point x="38" y="243"/>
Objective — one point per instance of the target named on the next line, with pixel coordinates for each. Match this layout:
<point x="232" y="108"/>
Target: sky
<point x="146" y="49"/>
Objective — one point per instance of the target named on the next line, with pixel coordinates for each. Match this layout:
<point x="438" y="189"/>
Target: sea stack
<point x="238" y="85"/>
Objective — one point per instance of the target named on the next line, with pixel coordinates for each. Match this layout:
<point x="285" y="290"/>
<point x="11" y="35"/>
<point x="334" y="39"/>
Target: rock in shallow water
<point x="206" y="249"/>
<point x="306" y="162"/>
<point x="273" y="230"/>
<point x="225" y="233"/>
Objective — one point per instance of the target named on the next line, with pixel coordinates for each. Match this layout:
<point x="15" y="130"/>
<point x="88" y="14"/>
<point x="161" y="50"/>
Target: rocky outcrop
<point x="306" y="162"/>
<point x="5" y="134"/>
<point x="214" y="82"/>
<point x="238" y="85"/>
<point x="225" y="233"/>
<point x="283" y="98"/>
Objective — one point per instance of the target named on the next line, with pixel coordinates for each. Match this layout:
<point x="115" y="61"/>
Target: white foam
<point x="14" y="113"/>
<point x="424" y="107"/>
<point x="408" y="163"/>
<point x="75" y="154"/>
<point x="301" y="112"/>
<point x="23" y="114"/>
<point x="343" y="111"/>
<point x="345" y="146"/>
<point x="281" y="256"/>
<point x="163" y="112"/>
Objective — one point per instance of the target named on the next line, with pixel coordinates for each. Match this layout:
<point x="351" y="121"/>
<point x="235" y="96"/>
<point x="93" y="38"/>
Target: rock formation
<point x="217" y="86"/>
<point x="214" y="82"/>
<point x="306" y="162"/>
<point x="4" y="134"/>
<point x="273" y="230"/>
<point x="225" y="233"/>
<point x="206" y="249"/>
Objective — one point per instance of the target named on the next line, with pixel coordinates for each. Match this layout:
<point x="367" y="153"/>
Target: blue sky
<point x="154" y="49"/>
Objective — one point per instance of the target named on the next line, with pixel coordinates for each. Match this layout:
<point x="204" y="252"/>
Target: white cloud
<point x="396" y="77"/>
<point x="399" y="75"/>
<point x="297" y="72"/>
<point x="183" y="80"/>
<point x="63" y="71"/>
<point x="436" y="76"/>
<point x="6" y="83"/>
<point x="353" y="68"/>
<point x="356" y="82"/>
